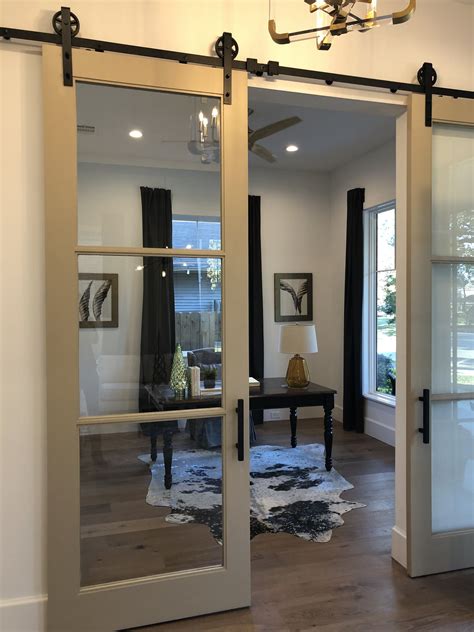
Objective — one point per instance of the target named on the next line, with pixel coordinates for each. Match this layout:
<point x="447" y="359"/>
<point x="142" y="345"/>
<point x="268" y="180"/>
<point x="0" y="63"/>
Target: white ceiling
<point x="332" y="132"/>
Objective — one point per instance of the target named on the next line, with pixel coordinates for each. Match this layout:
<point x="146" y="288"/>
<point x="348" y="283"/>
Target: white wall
<point x="393" y="53"/>
<point x="376" y="172"/>
<point x="295" y="226"/>
<point x="22" y="346"/>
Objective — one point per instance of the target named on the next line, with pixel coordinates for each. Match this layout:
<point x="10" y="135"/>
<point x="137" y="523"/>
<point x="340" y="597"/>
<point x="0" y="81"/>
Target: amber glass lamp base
<point x="297" y="375"/>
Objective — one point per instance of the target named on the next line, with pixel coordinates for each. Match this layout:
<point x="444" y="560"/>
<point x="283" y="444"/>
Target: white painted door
<point x="440" y="344"/>
<point x="114" y="559"/>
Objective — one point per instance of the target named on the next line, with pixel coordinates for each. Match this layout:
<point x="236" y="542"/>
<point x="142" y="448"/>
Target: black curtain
<point x="353" y="295"/>
<point x="158" y="317"/>
<point x="255" y="297"/>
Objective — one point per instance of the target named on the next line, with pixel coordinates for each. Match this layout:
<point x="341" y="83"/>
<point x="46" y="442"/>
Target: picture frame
<point x="293" y="297"/>
<point x="98" y="300"/>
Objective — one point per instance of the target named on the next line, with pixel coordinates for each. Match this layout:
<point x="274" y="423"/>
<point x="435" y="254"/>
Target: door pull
<point x="425" y="429"/>
<point x="240" y="429"/>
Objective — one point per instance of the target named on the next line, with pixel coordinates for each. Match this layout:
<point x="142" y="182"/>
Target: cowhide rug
<point x="290" y="491"/>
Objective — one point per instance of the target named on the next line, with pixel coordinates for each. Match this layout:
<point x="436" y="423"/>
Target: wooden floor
<point x="350" y="583"/>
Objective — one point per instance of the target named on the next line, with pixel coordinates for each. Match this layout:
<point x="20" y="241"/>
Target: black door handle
<point x="240" y="429"/>
<point x="425" y="429"/>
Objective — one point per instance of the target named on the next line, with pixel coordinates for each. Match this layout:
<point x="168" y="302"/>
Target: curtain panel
<point x="256" y="346"/>
<point x="353" y="402"/>
<point x="158" y="311"/>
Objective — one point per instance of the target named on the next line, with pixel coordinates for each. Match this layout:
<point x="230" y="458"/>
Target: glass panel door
<point x="441" y="459"/>
<point x="452" y="464"/>
<point x="146" y="185"/>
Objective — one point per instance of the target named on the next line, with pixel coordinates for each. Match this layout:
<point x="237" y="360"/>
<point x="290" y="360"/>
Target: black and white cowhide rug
<point x="290" y="491"/>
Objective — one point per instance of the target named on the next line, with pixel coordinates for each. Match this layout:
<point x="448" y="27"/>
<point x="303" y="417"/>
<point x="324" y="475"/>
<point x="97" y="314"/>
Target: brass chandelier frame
<point x="341" y="20"/>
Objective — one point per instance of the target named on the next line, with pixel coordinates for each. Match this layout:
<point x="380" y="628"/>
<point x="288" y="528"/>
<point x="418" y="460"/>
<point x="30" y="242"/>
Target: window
<point x="197" y="283"/>
<point x="195" y="279"/>
<point x="379" y="303"/>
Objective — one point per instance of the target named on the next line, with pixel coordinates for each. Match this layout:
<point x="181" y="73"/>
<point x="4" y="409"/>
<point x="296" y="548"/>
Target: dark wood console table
<point x="273" y="393"/>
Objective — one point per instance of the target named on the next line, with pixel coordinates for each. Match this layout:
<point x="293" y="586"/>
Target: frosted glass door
<point x="452" y="410"/>
<point x="437" y="350"/>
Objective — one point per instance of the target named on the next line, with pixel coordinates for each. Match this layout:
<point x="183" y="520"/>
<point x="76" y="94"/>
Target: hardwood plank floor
<point x="349" y="583"/>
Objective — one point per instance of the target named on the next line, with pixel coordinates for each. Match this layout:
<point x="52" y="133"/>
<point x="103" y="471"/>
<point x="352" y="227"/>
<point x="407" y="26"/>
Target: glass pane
<point x="452" y="466"/>
<point x="149" y="334"/>
<point x="176" y="147"/>
<point x="453" y="190"/>
<point x="386" y="240"/>
<point x="453" y="328"/>
<point x="386" y="332"/>
<point x="201" y="233"/>
<point x="135" y="521"/>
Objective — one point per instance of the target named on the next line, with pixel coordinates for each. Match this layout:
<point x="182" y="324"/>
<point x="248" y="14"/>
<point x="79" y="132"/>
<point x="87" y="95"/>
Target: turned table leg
<point x="328" y="435"/>
<point x="153" y="451"/>
<point x="293" y="424"/>
<point x="168" y="456"/>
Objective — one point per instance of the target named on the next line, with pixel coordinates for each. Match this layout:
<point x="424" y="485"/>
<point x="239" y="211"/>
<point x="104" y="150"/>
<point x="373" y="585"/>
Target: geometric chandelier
<point x="337" y="17"/>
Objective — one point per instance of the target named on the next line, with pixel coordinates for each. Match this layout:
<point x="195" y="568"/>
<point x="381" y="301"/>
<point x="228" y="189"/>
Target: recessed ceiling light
<point x="292" y="148"/>
<point x="135" y="133"/>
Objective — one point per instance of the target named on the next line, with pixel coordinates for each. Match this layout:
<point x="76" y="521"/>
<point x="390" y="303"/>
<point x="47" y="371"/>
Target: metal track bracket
<point x="427" y="77"/>
<point x="227" y="49"/>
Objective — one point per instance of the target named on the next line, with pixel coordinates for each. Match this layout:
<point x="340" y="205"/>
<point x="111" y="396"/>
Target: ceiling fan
<point x="264" y="132"/>
<point x="209" y="150"/>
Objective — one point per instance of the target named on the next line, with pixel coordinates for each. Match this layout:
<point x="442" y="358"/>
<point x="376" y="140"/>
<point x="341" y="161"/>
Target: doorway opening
<point x="306" y="152"/>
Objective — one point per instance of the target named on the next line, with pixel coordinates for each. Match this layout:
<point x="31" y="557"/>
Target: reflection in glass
<point x="453" y="190"/>
<point x="131" y="524"/>
<point x="178" y="150"/>
<point x="452" y="465"/>
<point x="453" y="328"/>
<point x="139" y="336"/>
<point x="201" y="233"/>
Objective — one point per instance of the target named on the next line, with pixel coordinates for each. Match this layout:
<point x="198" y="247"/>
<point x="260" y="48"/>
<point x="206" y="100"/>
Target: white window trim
<point x="369" y="328"/>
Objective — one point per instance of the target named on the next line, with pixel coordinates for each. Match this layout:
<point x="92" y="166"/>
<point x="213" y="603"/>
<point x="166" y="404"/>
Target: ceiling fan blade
<point x="263" y="153"/>
<point x="273" y="128"/>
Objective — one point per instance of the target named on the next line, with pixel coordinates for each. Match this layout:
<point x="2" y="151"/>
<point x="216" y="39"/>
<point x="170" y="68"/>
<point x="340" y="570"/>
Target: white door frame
<point x="377" y="98"/>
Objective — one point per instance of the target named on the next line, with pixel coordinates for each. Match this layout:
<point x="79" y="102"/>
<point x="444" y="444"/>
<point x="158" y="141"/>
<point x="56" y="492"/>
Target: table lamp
<point x="298" y="339"/>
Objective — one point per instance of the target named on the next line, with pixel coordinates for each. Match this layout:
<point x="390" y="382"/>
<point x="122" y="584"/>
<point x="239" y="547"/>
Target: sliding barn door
<point x="440" y="379"/>
<point x="146" y="249"/>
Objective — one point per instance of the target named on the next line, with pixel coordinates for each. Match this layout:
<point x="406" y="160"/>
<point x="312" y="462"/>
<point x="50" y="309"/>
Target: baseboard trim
<point x="379" y="431"/>
<point x="23" y="614"/>
<point x="372" y="428"/>
<point x="399" y="546"/>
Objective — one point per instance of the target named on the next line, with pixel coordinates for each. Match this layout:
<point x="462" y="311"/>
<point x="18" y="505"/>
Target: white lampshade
<point x="298" y="339"/>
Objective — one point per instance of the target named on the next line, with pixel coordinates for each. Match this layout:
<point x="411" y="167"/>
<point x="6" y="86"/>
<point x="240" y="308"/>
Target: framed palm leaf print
<point x="98" y="300"/>
<point x="293" y="297"/>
